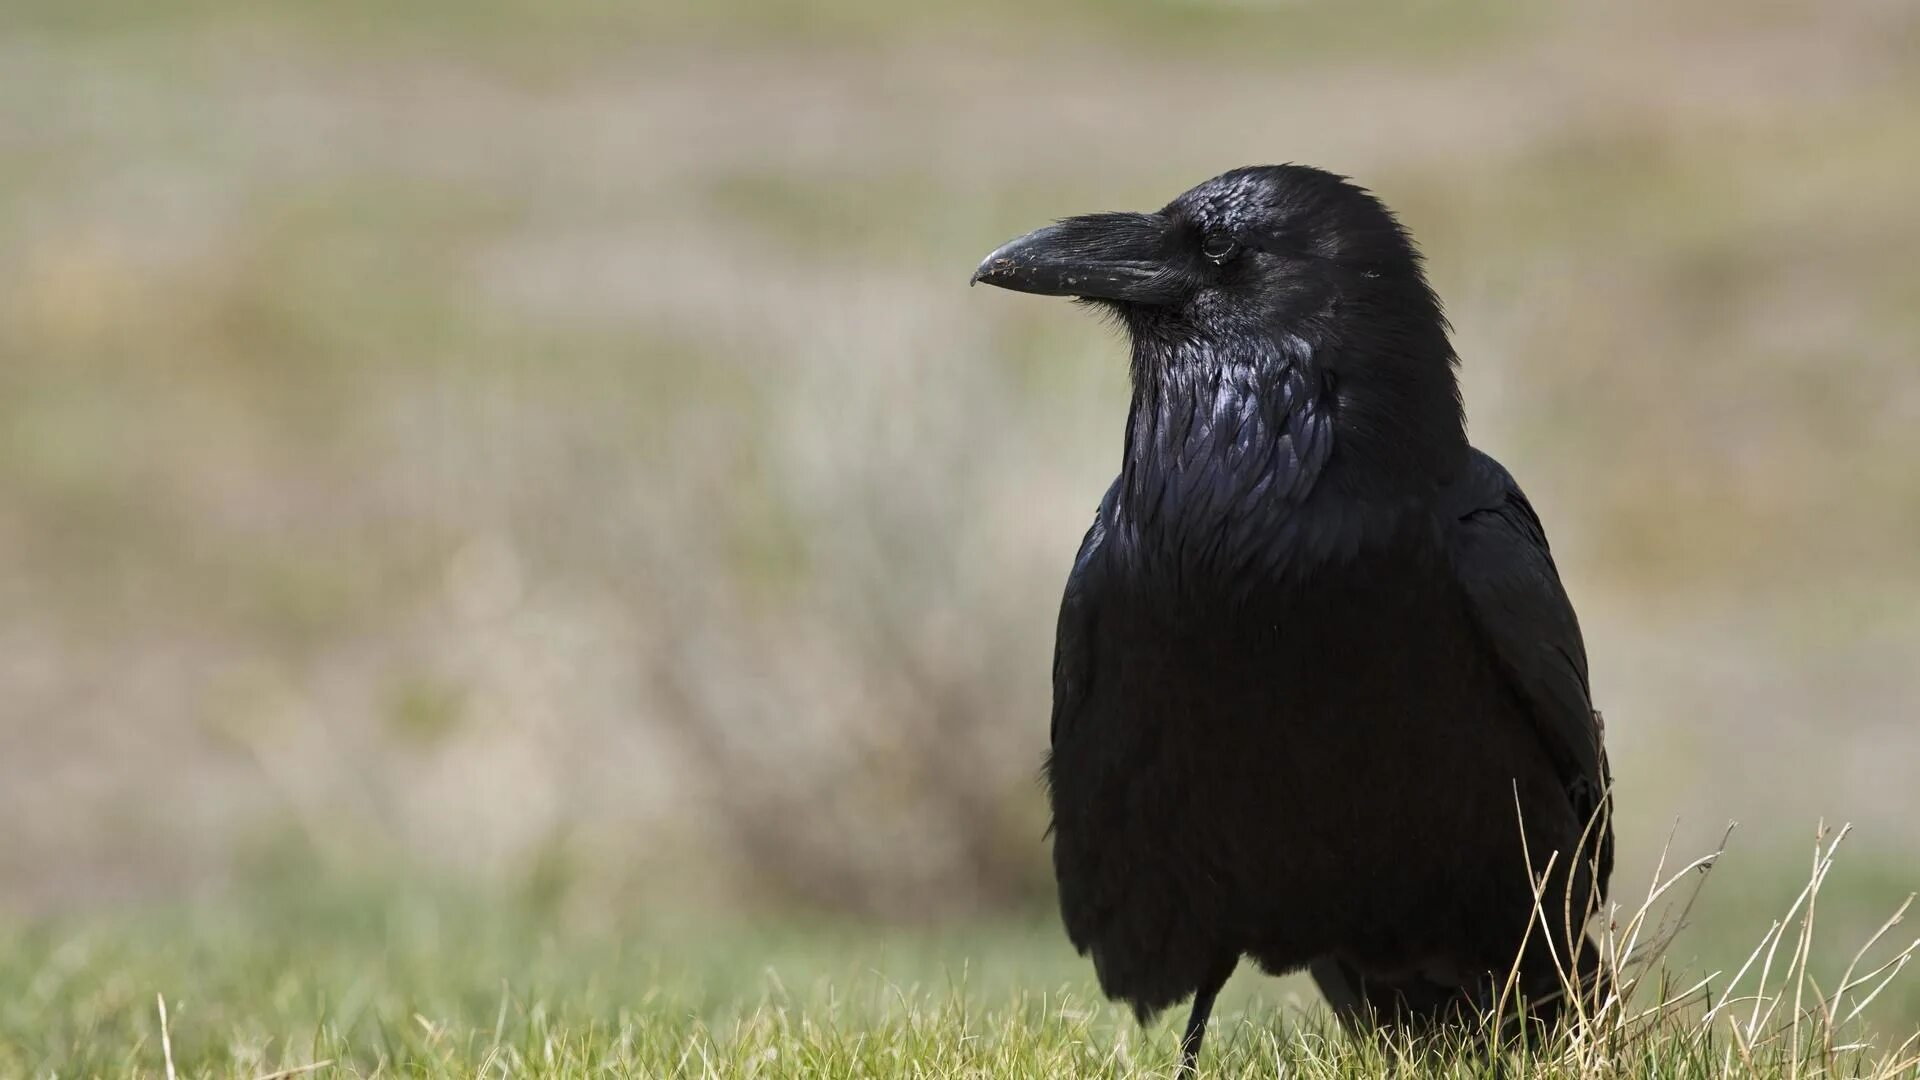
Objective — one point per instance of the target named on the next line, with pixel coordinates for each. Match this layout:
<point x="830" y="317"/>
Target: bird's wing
<point x="1500" y="557"/>
<point x="1073" y="638"/>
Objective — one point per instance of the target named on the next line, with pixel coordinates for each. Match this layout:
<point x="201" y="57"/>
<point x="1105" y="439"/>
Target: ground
<point x="371" y="978"/>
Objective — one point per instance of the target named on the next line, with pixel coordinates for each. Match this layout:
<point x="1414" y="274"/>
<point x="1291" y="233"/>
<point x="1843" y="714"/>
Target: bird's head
<point x="1266" y="249"/>
<point x="1280" y="265"/>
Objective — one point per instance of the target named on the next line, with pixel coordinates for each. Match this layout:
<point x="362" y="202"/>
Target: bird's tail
<point x="1552" y="997"/>
<point x="1422" y="1006"/>
<point x="1364" y="1003"/>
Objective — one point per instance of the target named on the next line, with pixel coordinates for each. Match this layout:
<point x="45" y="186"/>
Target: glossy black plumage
<point x="1315" y="668"/>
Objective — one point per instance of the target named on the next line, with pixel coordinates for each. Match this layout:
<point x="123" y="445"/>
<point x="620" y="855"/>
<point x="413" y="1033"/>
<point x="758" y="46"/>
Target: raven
<point x="1320" y="699"/>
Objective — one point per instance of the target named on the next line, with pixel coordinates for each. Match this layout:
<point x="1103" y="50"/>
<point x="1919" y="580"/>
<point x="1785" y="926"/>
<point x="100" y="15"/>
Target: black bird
<point x="1315" y="672"/>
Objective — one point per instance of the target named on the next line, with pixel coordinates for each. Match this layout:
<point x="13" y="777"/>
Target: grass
<point x="374" y="978"/>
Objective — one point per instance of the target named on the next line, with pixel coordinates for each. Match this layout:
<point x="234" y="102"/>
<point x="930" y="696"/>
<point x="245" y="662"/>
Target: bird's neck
<point x="1223" y="442"/>
<point x="1227" y="442"/>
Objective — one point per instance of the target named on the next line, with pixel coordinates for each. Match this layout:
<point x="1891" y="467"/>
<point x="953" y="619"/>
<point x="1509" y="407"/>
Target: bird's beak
<point x="1099" y="256"/>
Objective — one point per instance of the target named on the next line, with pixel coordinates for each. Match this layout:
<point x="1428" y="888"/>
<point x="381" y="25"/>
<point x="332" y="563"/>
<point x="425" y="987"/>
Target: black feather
<point x="1315" y="670"/>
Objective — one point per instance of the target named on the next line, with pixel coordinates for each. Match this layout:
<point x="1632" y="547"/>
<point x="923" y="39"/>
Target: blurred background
<point x="551" y="447"/>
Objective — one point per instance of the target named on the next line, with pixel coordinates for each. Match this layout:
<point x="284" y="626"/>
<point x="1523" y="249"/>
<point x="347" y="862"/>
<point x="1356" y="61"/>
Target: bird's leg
<point x="1202" y="1009"/>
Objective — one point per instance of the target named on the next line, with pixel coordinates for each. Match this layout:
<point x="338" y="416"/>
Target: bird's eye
<point x="1218" y="247"/>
